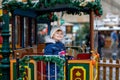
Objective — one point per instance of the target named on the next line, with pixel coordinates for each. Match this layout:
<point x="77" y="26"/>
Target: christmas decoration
<point x="55" y="59"/>
<point x="48" y="17"/>
<point x="45" y="6"/>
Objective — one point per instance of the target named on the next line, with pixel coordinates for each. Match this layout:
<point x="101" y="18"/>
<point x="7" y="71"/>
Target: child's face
<point x="58" y="35"/>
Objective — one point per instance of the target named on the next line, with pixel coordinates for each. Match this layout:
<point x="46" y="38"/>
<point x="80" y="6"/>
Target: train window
<point x="17" y="31"/>
<point x="33" y="36"/>
<point x="26" y="30"/>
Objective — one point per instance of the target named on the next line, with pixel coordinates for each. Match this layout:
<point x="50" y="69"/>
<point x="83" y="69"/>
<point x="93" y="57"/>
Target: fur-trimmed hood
<point x="48" y="39"/>
<point x="53" y="30"/>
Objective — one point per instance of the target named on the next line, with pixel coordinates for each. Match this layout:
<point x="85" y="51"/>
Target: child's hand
<point x="62" y="53"/>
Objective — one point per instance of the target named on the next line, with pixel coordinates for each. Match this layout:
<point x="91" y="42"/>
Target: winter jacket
<point x="53" y="48"/>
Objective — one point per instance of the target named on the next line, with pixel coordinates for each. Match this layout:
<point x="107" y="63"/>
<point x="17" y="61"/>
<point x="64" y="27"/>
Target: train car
<point x="25" y="59"/>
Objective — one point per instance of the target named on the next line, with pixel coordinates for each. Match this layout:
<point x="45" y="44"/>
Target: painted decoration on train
<point x="29" y="69"/>
<point x="80" y="70"/>
<point x="79" y="73"/>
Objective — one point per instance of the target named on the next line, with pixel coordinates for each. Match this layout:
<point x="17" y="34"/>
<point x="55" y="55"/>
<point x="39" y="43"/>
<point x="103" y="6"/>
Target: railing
<point x="109" y="69"/>
<point x="42" y="61"/>
<point x="42" y="74"/>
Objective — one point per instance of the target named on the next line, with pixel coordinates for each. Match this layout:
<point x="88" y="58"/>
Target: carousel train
<point x="25" y="54"/>
<point x="24" y="48"/>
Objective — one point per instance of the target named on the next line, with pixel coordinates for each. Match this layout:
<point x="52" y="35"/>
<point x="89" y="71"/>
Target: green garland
<point x="46" y="17"/>
<point x="55" y="59"/>
<point x="86" y="7"/>
<point x="77" y="6"/>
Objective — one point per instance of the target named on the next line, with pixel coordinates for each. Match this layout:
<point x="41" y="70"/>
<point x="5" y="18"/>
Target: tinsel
<point x="48" y="17"/>
<point x="76" y="7"/>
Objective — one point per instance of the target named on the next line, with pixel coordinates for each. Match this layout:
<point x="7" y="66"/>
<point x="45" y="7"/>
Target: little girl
<point x="54" y="46"/>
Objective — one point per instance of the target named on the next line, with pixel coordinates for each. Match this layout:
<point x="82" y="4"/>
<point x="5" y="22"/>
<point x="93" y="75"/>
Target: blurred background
<point x="105" y="24"/>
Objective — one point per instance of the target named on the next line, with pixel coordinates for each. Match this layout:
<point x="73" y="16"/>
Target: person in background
<point x="41" y="35"/>
<point x="119" y="44"/>
<point x="87" y="37"/>
<point x="87" y="43"/>
<point x="114" y="39"/>
<point x="101" y="43"/>
<point x="54" y="46"/>
<point x="119" y="40"/>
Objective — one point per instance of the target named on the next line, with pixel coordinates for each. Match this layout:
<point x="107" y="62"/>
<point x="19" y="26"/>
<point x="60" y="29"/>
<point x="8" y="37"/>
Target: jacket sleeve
<point x="48" y="50"/>
<point x="64" y="48"/>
